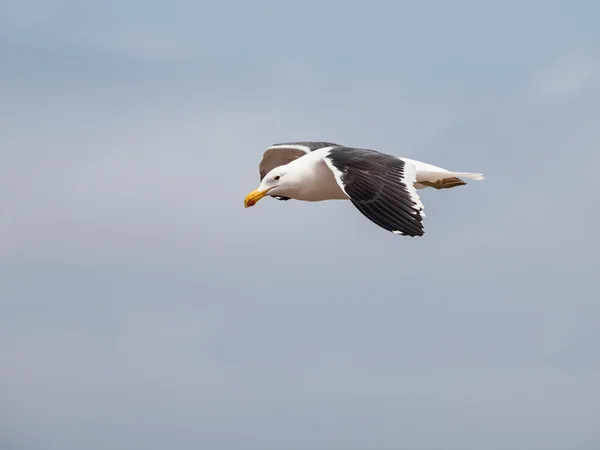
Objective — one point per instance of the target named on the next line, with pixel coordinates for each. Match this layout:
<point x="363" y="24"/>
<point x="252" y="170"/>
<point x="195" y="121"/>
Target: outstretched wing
<point x="381" y="187"/>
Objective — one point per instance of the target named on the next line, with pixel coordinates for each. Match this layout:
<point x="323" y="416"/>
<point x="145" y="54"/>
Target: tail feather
<point x="429" y="172"/>
<point x="469" y="175"/>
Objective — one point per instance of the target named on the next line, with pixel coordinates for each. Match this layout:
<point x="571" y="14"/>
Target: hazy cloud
<point x="568" y="78"/>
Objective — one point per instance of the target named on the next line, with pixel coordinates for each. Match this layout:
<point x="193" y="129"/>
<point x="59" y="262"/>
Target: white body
<point x="313" y="180"/>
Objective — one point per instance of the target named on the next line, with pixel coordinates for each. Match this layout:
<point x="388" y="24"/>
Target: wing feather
<point x="381" y="187"/>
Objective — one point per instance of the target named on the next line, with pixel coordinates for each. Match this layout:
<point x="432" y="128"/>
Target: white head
<point x="278" y="182"/>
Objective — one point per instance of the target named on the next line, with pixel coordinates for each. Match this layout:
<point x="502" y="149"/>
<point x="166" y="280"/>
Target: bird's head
<point x="277" y="183"/>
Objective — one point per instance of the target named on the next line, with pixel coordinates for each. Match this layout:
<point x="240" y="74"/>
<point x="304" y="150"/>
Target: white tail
<point x="428" y="174"/>
<point x="471" y="176"/>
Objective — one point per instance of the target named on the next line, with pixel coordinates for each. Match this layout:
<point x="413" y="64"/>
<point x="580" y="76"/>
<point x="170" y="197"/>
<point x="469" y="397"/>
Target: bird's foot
<point x="444" y="183"/>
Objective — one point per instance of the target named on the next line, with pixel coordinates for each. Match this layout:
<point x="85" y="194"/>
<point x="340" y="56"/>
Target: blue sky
<point x="141" y="306"/>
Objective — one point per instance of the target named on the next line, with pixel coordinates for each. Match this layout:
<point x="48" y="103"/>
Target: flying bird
<point x="382" y="187"/>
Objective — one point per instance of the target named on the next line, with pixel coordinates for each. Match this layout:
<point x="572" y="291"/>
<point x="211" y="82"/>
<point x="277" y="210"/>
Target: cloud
<point x="567" y="78"/>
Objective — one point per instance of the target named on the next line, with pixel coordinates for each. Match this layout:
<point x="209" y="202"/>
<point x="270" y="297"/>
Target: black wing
<point x="381" y="187"/>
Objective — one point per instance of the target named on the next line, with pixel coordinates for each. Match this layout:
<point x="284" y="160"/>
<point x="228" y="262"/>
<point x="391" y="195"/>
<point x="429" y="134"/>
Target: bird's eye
<point x="277" y="178"/>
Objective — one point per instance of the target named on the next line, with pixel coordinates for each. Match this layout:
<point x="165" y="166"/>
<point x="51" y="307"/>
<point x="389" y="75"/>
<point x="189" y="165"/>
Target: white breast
<point x="315" y="181"/>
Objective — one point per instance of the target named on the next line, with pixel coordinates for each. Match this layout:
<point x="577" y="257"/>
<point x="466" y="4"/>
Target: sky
<point x="142" y="307"/>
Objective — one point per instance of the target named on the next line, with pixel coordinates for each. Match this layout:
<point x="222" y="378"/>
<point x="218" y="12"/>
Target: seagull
<point x="382" y="187"/>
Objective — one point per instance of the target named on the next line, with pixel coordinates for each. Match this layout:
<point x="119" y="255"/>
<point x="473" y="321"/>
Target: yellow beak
<point x="254" y="197"/>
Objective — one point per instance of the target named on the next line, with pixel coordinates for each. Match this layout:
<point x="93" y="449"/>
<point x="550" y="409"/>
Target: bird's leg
<point x="444" y="183"/>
